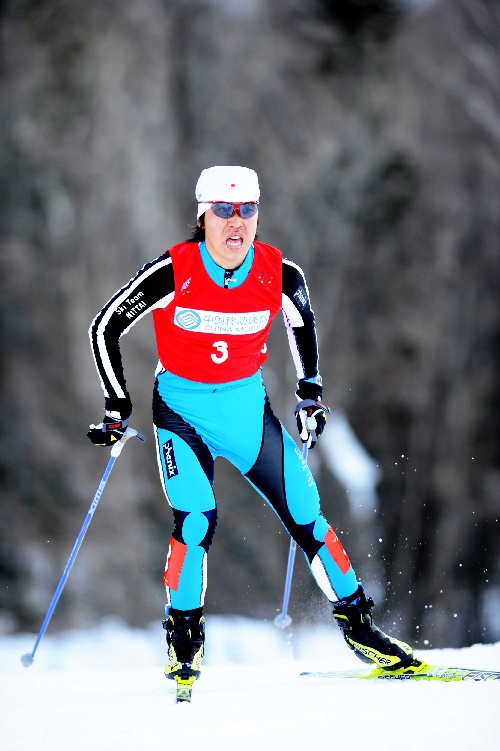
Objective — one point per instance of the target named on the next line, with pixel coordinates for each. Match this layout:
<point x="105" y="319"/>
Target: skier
<point x="213" y="299"/>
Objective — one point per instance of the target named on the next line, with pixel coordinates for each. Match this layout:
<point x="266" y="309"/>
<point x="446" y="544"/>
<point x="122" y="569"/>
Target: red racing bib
<point x="211" y="334"/>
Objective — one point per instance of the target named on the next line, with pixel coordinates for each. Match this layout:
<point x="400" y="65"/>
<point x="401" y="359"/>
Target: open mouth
<point x="234" y="242"/>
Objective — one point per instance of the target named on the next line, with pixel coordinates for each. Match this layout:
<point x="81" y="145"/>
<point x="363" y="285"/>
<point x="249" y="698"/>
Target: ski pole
<point x="28" y="658"/>
<point x="283" y="619"/>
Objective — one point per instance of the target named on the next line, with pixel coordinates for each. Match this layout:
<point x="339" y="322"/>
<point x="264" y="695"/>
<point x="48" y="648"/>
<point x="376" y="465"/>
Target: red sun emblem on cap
<point x="233" y="185"/>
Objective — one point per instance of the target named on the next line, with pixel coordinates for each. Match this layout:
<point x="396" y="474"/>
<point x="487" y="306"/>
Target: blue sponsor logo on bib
<point x="188" y="319"/>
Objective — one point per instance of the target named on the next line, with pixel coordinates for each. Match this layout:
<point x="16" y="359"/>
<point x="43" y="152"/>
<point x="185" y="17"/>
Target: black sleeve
<point x="301" y="329"/>
<point x="152" y="287"/>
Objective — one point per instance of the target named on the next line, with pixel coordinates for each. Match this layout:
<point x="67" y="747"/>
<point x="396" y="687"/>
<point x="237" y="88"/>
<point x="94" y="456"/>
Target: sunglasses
<point x="227" y="210"/>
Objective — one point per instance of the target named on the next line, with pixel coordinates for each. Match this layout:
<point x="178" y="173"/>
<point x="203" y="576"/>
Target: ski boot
<point x="354" y="617"/>
<point x="186" y="639"/>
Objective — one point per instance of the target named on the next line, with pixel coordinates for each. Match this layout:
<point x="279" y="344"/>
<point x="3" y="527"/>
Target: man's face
<point x="228" y="240"/>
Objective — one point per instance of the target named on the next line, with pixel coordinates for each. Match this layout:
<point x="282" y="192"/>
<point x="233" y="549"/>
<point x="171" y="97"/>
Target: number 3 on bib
<point x="221" y="348"/>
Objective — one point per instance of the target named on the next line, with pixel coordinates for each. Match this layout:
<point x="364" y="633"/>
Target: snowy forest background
<point x="374" y="126"/>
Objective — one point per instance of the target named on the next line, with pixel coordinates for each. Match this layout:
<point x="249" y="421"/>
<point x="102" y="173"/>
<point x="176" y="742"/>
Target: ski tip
<point x="27" y="660"/>
<point x="184" y="688"/>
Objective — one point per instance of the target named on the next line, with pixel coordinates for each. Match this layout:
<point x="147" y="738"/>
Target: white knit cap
<point x="227" y="184"/>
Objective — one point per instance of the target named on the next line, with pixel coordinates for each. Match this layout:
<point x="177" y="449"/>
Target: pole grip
<point x="129" y="433"/>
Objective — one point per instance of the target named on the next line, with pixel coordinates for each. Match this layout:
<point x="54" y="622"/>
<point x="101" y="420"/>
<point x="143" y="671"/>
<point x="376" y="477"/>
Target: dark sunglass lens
<point x="247" y="210"/>
<point x="226" y="210"/>
<point x="223" y="210"/>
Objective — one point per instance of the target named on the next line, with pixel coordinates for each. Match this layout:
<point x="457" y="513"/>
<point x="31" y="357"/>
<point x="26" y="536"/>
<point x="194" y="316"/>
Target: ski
<point x="184" y="687"/>
<point x="416" y="671"/>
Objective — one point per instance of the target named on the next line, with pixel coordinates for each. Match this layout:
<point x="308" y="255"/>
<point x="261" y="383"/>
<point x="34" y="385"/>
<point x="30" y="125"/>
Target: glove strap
<point x="108" y="427"/>
<point x="309" y="390"/>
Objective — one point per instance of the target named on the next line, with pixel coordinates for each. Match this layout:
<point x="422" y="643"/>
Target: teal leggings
<point x="194" y="424"/>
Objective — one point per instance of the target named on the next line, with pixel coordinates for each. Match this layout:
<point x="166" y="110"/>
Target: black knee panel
<point x="179" y="518"/>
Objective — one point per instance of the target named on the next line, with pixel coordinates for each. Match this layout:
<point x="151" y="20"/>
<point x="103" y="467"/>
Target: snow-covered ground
<point x="104" y="689"/>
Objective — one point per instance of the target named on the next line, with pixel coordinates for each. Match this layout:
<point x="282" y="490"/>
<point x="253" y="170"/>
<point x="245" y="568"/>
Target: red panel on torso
<point x="211" y="334"/>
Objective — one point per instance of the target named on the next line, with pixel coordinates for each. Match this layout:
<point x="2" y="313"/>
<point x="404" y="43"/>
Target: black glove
<point x="110" y="430"/>
<point x="311" y="420"/>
